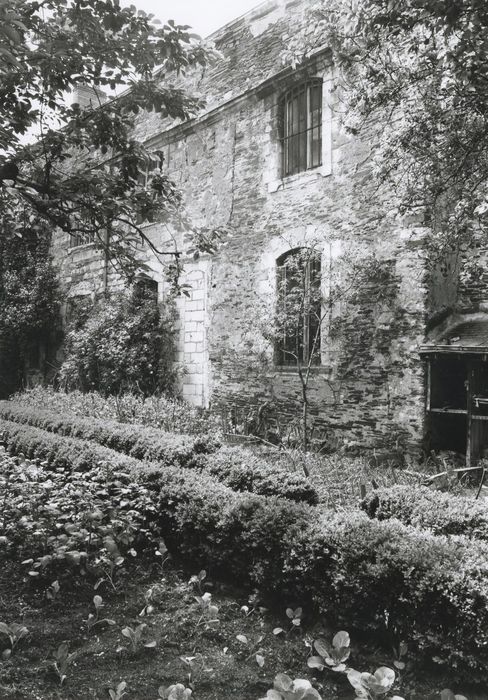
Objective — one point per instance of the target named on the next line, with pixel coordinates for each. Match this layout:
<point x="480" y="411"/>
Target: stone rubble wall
<point x="227" y="164"/>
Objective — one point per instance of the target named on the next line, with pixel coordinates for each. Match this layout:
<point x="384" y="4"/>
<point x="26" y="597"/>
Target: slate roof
<point x="251" y="46"/>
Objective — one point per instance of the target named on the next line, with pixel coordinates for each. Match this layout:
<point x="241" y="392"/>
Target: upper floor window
<point x="154" y="163"/>
<point x="302" y="128"/>
<point x="299" y="308"/>
<point x="81" y="238"/>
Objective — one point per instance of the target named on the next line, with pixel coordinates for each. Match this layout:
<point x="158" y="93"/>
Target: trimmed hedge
<point x="59" y="451"/>
<point x="361" y="573"/>
<point x="134" y="440"/>
<point x="442" y="513"/>
<point x="243" y="471"/>
<point x="234" y="467"/>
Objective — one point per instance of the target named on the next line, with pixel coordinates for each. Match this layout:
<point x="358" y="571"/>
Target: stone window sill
<point x="290" y="369"/>
<point x="83" y="246"/>
<point x="299" y="179"/>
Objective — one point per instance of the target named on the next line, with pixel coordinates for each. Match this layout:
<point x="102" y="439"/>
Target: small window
<point x="154" y="163"/>
<point x="145" y="289"/>
<point x="302" y="128"/>
<point x="81" y="238"/>
<point x="299" y="308"/>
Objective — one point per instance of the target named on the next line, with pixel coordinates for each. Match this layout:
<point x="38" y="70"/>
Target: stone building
<point x="268" y="158"/>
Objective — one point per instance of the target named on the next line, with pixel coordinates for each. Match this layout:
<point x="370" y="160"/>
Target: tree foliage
<point x="420" y="65"/>
<point x="83" y="173"/>
<point x="29" y="302"/>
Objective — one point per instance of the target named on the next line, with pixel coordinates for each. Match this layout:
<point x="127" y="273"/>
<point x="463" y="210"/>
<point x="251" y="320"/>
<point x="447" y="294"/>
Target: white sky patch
<point x="203" y="17"/>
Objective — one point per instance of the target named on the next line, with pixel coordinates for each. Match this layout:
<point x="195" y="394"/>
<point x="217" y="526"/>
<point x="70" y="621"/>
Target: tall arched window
<point x="299" y="308"/>
<point x="302" y="128"/>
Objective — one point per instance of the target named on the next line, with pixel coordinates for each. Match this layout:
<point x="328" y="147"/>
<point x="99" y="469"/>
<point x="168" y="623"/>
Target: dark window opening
<point x="302" y="128"/>
<point x="449" y="383"/>
<point x="146" y="290"/>
<point x="299" y="308"/>
<point x="81" y="238"/>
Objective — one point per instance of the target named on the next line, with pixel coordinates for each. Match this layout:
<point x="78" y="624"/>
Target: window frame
<point x="297" y="129"/>
<point x="283" y="355"/>
<point x="80" y="239"/>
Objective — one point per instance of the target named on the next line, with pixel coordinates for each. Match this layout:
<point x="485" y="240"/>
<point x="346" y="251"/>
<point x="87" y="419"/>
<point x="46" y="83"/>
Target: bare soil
<point x="225" y="668"/>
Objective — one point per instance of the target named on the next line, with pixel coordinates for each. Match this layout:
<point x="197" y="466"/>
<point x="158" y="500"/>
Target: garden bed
<point x="86" y="513"/>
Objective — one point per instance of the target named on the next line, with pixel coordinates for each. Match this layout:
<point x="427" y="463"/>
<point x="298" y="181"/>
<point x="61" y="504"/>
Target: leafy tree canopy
<point x="421" y="65"/>
<point x="82" y="174"/>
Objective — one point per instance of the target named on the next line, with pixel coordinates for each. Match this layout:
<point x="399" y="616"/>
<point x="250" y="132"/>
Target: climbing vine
<point x="121" y="343"/>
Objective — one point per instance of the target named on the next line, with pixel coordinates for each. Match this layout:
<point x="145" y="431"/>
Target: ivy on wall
<point x="121" y="343"/>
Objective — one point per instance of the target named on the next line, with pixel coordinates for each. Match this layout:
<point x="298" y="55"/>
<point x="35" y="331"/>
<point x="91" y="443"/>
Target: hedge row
<point x="59" y="451"/>
<point x="234" y="467"/>
<point x="359" y="572"/>
<point x="442" y="513"/>
<point x="136" y="441"/>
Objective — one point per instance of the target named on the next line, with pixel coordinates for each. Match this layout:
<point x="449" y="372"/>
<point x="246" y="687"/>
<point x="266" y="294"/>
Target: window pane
<point x="316" y="148"/>
<point x="315" y="104"/>
<point x="294" y="154"/>
<point x="303" y="156"/>
<point x="302" y="108"/>
<point x="315" y="310"/>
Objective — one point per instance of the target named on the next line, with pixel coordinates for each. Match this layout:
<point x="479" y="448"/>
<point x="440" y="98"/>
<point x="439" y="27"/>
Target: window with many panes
<point x="153" y="164"/>
<point x="81" y="238"/>
<point x="302" y="128"/>
<point x="299" y="307"/>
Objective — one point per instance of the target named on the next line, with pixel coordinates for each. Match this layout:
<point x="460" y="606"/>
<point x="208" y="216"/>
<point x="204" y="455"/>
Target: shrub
<point x="121" y="343"/>
<point x="60" y="452"/>
<point x="239" y="536"/>
<point x="442" y="513"/>
<point x="163" y="412"/>
<point x="137" y="441"/>
<point x="377" y="576"/>
<point x="385" y="576"/>
<point x="29" y="302"/>
<point x="243" y="471"/>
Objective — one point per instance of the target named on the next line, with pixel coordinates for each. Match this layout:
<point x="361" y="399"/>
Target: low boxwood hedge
<point x="376" y="576"/>
<point x="236" y="467"/>
<point x="59" y="451"/>
<point x="422" y="507"/>
<point x="361" y="573"/>
<point x="136" y="441"/>
<point x="242" y="471"/>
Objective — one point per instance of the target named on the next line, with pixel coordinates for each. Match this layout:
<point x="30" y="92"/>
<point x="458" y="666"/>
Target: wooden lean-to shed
<point x="457" y="388"/>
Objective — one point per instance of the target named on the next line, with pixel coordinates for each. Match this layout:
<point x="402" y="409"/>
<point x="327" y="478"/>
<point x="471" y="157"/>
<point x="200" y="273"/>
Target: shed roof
<point x="468" y="336"/>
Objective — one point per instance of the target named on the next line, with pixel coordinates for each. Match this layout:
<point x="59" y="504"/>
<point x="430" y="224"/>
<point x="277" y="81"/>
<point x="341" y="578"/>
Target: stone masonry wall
<point x="370" y="385"/>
